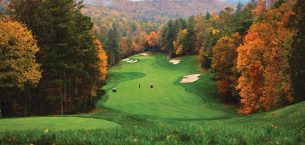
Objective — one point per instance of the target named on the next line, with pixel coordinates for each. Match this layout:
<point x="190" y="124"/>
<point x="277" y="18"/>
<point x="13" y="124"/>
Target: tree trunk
<point x="65" y="97"/>
<point x="61" y="101"/>
<point x="85" y="102"/>
<point x="1" y="110"/>
<point x="25" y="107"/>
<point x="170" y="53"/>
<point x="70" y="95"/>
<point x="91" y="99"/>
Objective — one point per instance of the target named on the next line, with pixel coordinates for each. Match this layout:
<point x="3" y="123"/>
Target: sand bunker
<point x="175" y="61"/>
<point x="132" y="61"/>
<point x="143" y="54"/>
<point x="190" y="78"/>
<point x="128" y="60"/>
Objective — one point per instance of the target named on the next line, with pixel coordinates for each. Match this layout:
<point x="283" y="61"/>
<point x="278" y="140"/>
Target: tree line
<point x="51" y="59"/>
<point x="261" y="68"/>
<point x="255" y="51"/>
<point x="122" y="35"/>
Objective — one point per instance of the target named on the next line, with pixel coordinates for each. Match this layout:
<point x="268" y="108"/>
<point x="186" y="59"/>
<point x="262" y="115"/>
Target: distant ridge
<point x="171" y="8"/>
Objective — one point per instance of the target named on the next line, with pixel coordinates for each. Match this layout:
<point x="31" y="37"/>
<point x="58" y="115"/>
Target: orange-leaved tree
<point x="153" y="39"/>
<point x="125" y="46"/>
<point x="102" y="59"/>
<point x="265" y="80"/>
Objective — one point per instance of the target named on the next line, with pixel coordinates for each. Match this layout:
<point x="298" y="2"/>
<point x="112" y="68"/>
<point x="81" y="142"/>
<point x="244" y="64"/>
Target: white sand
<point x="175" y="61"/>
<point x="127" y="59"/>
<point x="132" y="61"/>
<point x="143" y="54"/>
<point x="190" y="78"/>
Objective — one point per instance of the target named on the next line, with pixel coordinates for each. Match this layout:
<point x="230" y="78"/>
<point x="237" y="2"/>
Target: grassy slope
<point x="168" y="98"/>
<point x="54" y="123"/>
<point x="283" y="126"/>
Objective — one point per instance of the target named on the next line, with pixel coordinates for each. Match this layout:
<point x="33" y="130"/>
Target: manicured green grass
<point x="168" y="98"/>
<point x="55" y="123"/>
<point x="170" y="113"/>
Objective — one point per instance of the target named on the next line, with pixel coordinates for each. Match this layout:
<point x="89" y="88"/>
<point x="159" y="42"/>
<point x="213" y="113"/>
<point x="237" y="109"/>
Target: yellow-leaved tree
<point x="180" y="44"/>
<point x="18" y="67"/>
<point x="224" y="65"/>
<point x="17" y="55"/>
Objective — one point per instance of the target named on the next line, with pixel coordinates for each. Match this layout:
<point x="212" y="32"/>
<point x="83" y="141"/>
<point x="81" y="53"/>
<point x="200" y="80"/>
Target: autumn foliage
<point x="17" y="56"/>
<point x="265" y="81"/>
<point x="152" y="39"/>
<point x="256" y="52"/>
<point x="18" y="68"/>
<point x="224" y="64"/>
<point x="102" y="59"/>
<point x="180" y="44"/>
<point x="70" y="62"/>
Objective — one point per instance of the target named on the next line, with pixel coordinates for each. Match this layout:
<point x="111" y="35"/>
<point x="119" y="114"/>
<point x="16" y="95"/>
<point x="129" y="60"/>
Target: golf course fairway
<point x="55" y="123"/>
<point x="168" y="98"/>
<point x="169" y="113"/>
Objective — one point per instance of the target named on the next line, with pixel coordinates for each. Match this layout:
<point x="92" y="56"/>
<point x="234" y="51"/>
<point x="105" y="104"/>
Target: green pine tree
<point x="298" y="52"/>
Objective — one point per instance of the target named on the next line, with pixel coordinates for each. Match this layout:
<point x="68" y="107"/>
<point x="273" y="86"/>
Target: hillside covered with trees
<point x="155" y="8"/>
<point x="152" y="72"/>
<point x="250" y="49"/>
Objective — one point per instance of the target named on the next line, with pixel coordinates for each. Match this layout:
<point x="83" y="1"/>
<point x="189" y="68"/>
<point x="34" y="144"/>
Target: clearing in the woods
<point x="152" y="105"/>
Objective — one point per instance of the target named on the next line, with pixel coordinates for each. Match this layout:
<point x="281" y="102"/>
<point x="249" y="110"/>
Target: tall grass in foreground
<point x="280" y="127"/>
<point x="161" y="134"/>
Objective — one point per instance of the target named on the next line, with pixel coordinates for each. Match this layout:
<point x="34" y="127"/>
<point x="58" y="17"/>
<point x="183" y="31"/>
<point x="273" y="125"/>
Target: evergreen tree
<point x="207" y="16"/>
<point x="298" y="52"/>
<point x="170" y="36"/>
<point x="191" y="37"/>
<point x="112" y="45"/>
<point x="68" y="56"/>
<point x="239" y="7"/>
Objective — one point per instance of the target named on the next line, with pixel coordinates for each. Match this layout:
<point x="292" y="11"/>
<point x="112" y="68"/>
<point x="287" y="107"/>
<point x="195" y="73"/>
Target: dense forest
<point x="51" y="61"/>
<point x="143" y="72"/>
<point x="153" y="9"/>
<point x="54" y="58"/>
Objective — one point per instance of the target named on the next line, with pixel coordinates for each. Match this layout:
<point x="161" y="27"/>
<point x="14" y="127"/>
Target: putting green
<point x="168" y="98"/>
<point x="55" y="123"/>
